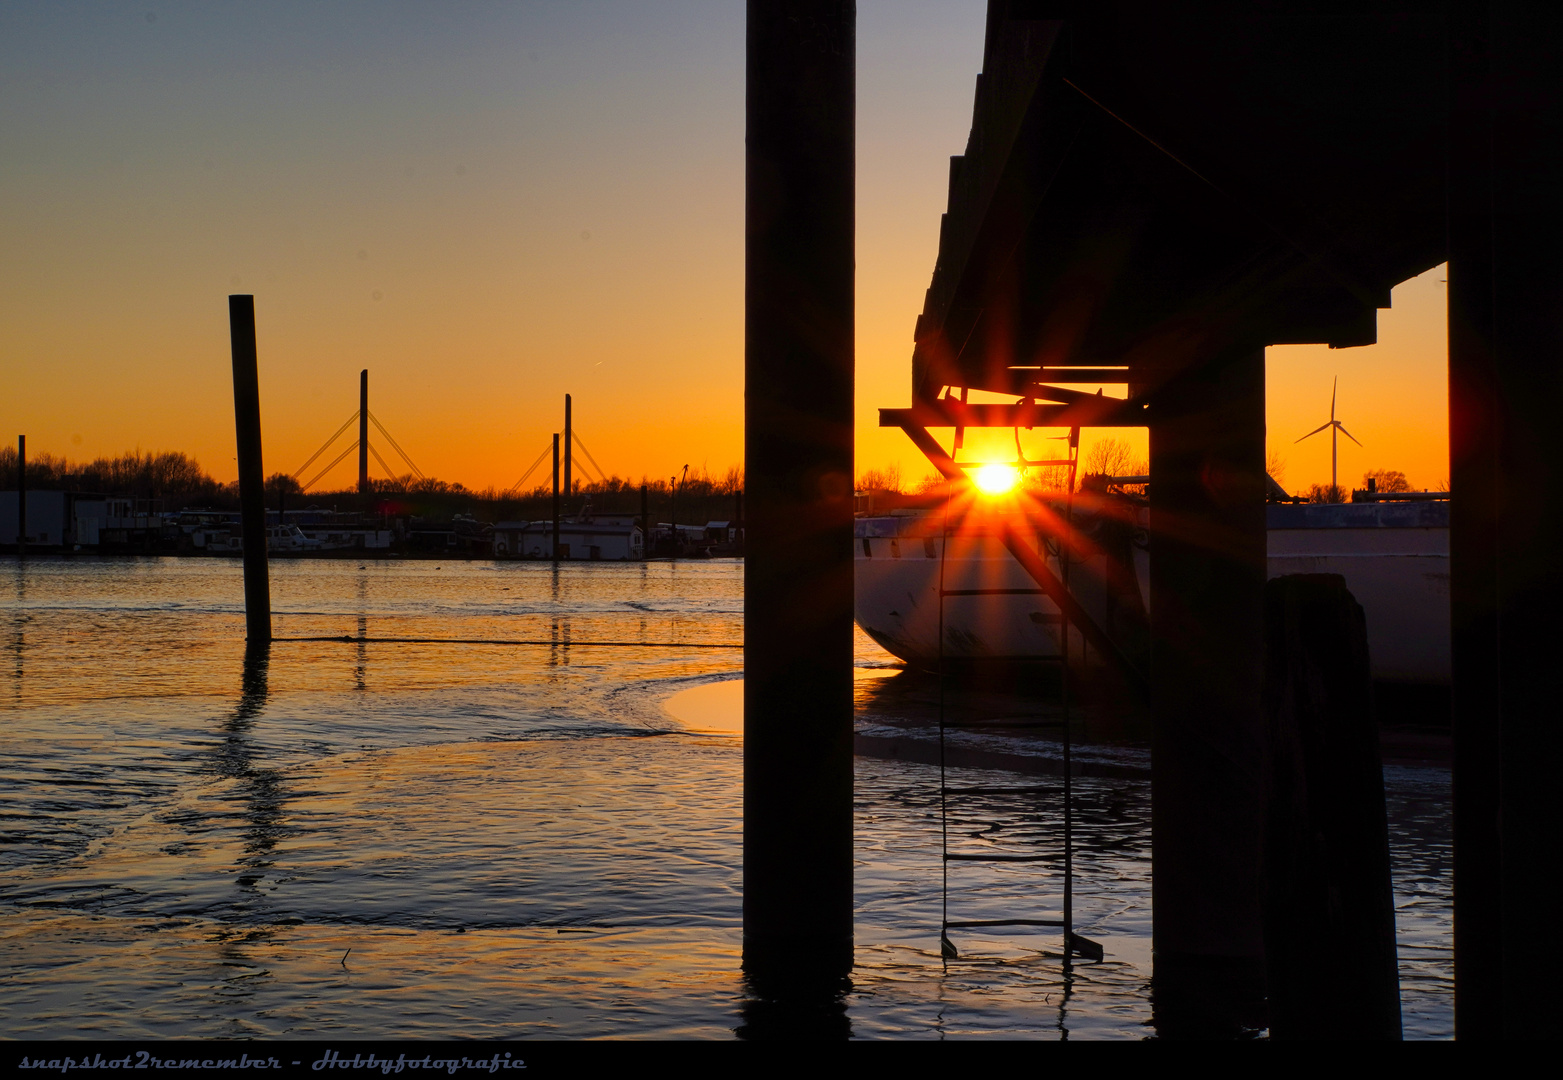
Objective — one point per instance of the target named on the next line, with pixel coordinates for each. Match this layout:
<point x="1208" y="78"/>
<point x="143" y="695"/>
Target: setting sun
<point x="996" y="479"/>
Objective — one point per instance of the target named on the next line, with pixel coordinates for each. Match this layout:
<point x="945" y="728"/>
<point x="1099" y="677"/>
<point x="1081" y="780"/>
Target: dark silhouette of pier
<point x="1151" y="197"/>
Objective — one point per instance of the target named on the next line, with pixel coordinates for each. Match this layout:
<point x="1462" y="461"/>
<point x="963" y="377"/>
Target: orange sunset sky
<point x="488" y="205"/>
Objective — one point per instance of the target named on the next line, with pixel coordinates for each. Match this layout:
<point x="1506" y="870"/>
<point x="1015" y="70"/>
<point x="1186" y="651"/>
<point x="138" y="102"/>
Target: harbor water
<point x="501" y="829"/>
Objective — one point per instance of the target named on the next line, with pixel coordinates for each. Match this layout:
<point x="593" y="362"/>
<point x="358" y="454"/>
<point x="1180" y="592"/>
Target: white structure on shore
<point x="610" y="539"/>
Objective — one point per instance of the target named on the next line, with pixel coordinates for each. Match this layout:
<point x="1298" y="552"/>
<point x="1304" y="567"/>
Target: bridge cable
<point x="411" y="464"/>
<point x="335" y="462"/>
<point x="381" y="460"/>
<point x="530" y="470"/>
<point x="299" y="471"/>
<point x="601" y="475"/>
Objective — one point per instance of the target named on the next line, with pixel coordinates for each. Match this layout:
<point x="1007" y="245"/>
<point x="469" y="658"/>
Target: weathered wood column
<point x="363" y="432"/>
<point x="252" y="474"/>
<point x="555" y="555"/>
<point x="1506" y="455"/>
<point x="798" y="352"/>
<point x="21" y="496"/>
<point x="1207" y="571"/>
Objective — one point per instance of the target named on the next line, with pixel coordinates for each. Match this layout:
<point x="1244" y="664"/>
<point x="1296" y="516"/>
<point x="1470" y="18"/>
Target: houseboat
<point x="581" y="538"/>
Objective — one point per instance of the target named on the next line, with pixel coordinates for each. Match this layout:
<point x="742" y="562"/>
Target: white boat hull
<point x="1395" y="560"/>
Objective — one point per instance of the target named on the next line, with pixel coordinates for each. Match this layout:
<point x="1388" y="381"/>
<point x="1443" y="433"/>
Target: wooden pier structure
<point x="1150" y="196"/>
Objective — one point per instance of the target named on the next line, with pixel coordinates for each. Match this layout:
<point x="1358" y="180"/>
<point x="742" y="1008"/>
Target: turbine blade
<point x="1348" y="434"/>
<point x="1312" y="433"/>
<point x="1333" y="385"/>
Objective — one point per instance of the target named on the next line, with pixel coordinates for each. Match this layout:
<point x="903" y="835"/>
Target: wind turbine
<point x="1335" y="426"/>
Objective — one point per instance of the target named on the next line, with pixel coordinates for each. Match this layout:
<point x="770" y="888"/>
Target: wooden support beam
<point x="1207" y="536"/>
<point x="252" y="473"/>
<point x="1505" y="341"/>
<point x="798" y="365"/>
<point x="363" y="432"/>
<point x="21" y="496"/>
<point x="1086" y="410"/>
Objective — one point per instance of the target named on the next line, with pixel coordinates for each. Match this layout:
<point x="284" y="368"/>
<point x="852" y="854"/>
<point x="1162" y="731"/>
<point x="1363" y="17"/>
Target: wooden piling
<point x="1207" y="569"/>
<point x="556" y="498"/>
<point x="569" y="449"/>
<point x="1506" y="581"/>
<point x="645" y="520"/>
<point x="1327" y="887"/>
<point x="21" y="496"/>
<point x="252" y="474"/>
<point x="798" y="345"/>
<point x="363" y="432"/>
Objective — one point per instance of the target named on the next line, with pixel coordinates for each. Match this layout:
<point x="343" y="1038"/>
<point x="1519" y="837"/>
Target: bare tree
<point x="1388" y="479"/>
<point x="886" y="479"/>
<point x="1275" y="465"/>
<point x="1110" y="457"/>
<point x="732" y="481"/>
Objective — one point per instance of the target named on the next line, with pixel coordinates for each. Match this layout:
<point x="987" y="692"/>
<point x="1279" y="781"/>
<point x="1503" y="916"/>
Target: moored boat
<point x="1393" y="555"/>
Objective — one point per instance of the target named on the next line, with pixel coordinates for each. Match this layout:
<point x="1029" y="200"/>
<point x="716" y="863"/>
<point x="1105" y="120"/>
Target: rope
<point x="335" y="462"/>
<point x="1063" y="626"/>
<point x="325" y="444"/>
<point x="946" y="947"/>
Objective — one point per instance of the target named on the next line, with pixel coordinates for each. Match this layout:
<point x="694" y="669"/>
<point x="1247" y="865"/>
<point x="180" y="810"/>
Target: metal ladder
<point x="1073" y="944"/>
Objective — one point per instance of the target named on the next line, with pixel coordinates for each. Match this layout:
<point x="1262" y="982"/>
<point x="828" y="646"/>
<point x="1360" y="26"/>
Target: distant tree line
<point x="696" y="498"/>
<point x="180" y="482"/>
<point x="170" y="475"/>
<point x="1386" y="480"/>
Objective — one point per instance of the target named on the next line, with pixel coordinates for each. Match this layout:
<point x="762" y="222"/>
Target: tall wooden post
<point x="645" y="520"/>
<point x="1207" y="621"/>
<point x="363" y="432"/>
<point x="556" y="498"/>
<point x="569" y="449"/>
<point x="798" y="364"/>
<point x="1506" y="583"/>
<point x="21" y="496"/>
<point x="1327" y="883"/>
<point x="252" y="475"/>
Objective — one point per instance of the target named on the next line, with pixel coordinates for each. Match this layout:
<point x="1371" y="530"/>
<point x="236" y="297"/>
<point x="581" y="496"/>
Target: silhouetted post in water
<point x="645" y="520"/>
<point x="252" y="477"/>
<point x="1207" y="569"/>
<point x="556" y="497"/>
<point x="798" y="357"/>
<point x="569" y="449"/>
<point x="21" y="496"/>
<point x="363" y="432"/>
<point x="1329" y="901"/>
<point x="1506" y="454"/>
